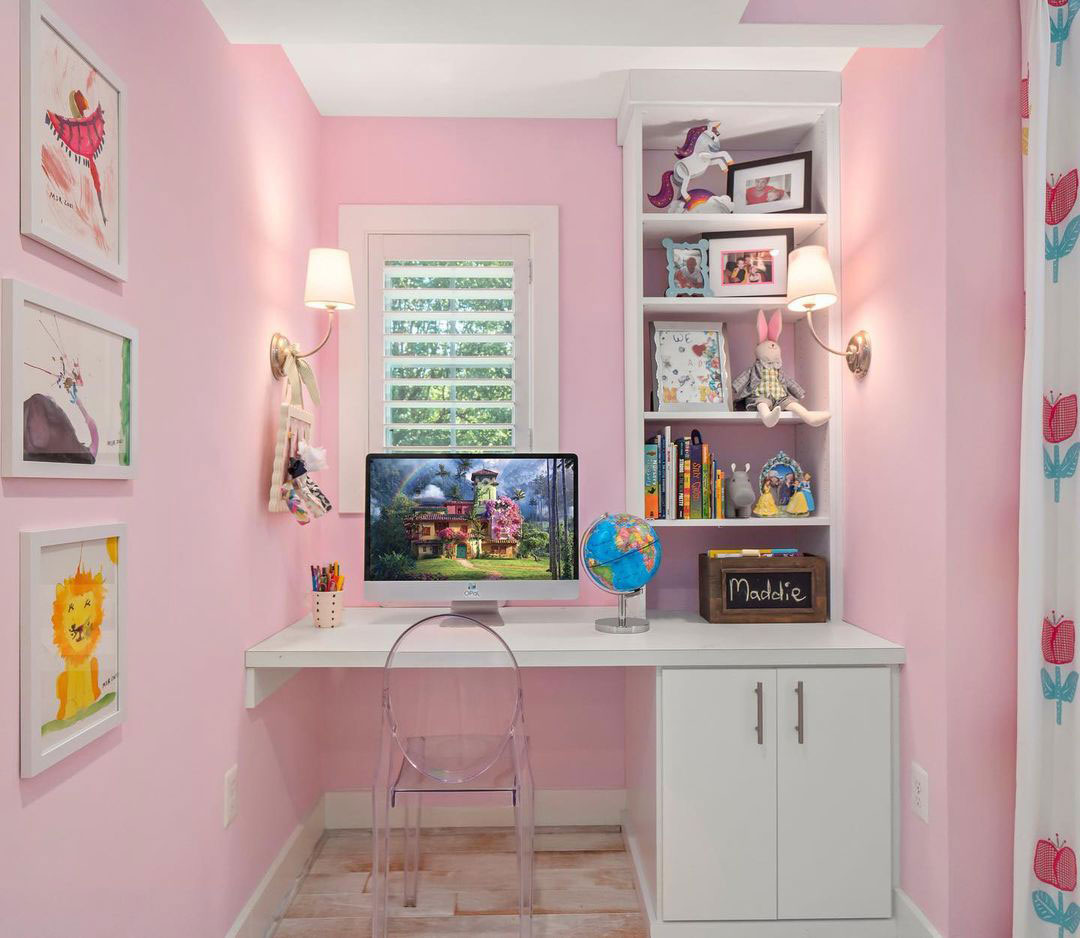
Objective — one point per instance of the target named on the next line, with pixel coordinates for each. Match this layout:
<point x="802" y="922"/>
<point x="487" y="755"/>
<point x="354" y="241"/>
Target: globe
<point x="621" y="553"/>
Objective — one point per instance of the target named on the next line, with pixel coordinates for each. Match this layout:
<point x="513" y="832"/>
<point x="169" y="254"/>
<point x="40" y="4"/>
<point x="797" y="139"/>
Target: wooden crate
<point x="763" y="589"/>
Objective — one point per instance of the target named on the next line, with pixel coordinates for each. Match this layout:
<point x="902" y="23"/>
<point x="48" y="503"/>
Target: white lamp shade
<point x="810" y="279"/>
<point x="329" y="280"/>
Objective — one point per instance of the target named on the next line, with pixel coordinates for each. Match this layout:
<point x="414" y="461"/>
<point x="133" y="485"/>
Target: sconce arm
<point x="817" y="338"/>
<point x="326" y="338"/>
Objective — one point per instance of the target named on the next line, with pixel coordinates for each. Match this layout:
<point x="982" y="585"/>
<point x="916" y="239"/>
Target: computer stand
<point x="483" y="610"/>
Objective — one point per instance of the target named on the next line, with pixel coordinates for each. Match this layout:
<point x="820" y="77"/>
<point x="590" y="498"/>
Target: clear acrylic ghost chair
<point x="449" y="729"/>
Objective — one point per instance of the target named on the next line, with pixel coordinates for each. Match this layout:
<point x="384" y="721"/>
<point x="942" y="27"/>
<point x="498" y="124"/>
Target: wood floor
<point x="468" y="886"/>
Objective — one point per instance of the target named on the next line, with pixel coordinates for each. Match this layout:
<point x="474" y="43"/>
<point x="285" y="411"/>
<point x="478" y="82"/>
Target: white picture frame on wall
<point x="69" y="391"/>
<point x="73" y="149"/>
<point x="73" y="620"/>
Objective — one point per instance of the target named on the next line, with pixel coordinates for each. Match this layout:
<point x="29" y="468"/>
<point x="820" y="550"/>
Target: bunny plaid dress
<point x="767" y="384"/>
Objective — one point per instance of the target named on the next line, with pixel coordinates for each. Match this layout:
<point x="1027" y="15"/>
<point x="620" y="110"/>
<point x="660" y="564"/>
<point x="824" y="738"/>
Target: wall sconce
<point x="811" y="286"/>
<point x="329" y="286"/>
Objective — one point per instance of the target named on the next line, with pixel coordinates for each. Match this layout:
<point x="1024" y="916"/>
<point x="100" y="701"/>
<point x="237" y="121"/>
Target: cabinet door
<point x="719" y="794"/>
<point x="834" y="799"/>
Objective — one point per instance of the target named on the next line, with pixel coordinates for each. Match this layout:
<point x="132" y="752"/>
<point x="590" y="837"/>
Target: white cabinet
<point x="719" y="794"/>
<point x="833" y="804"/>
<point x="776" y="794"/>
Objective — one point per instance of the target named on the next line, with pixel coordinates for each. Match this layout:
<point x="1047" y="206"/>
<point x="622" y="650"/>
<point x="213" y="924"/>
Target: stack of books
<point x="683" y="481"/>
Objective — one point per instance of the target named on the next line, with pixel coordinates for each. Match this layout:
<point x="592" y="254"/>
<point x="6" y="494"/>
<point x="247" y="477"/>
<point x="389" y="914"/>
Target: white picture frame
<point x="70" y="361"/>
<point x="761" y="256"/>
<point x="47" y="677"/>
<point x="74" y="203"/>
<point x="684" y="379"/>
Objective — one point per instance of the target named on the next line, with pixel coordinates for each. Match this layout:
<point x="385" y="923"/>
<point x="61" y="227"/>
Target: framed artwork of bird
<point x="73" y="135"/>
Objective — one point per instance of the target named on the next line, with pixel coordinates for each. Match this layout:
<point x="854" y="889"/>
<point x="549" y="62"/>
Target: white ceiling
<point x="544" y="58"/>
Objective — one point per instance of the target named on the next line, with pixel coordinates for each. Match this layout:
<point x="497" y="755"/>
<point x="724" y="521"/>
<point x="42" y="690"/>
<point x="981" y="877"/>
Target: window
<point x="451" y="358"/>
<point x="454" y="343"/>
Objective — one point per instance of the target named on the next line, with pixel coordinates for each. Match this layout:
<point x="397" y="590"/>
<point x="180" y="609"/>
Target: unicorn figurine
<point x="700" y="150"/>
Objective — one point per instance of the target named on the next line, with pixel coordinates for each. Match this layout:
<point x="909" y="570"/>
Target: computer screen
<point x="461" y="526"/>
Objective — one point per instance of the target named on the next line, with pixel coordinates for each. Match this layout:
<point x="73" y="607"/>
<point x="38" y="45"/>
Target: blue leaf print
<point x="1072" y="917"/>
<point x="1068" y="240"/>
<point x="1045" y="907"/>
<point x="1049" y="469"/>
<point x="1049" y="689"/>
<point x="1068" y="465"/>
<point x="1049" y="248"/>
<point x="1068" y="689"/>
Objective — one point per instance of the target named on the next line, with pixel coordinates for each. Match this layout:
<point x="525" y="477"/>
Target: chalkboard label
<point x="763" y="589"/>
<point x="790" y="589"/>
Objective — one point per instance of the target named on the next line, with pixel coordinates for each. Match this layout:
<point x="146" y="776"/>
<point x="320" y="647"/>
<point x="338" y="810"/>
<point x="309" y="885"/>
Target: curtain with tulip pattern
<point x="1046" y="903"/>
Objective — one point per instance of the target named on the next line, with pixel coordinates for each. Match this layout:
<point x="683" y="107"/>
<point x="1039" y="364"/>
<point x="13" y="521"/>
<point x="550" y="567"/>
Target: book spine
<point x="652" y="492"/>
<point x="695" y="481"/>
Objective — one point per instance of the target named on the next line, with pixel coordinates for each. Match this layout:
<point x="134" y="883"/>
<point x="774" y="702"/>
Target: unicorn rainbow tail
<point x="663" y="198"/>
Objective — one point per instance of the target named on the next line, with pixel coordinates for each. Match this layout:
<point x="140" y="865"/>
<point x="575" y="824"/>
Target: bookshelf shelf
<point x="811" y="522"/>
<point x="656" y="226"/>
<point x="740" y="417"/>
<point x="729" y="307"/>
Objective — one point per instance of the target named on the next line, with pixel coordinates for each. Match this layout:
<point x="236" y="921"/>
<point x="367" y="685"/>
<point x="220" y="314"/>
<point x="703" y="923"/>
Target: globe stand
<point x="622" y="624"/>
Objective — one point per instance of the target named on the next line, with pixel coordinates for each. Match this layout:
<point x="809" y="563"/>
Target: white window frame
<point x="357" y="226"/>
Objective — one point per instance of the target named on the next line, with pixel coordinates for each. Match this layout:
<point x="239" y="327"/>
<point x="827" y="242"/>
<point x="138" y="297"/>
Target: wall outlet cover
<point x="230" y="797"/>
<point x="920" y="791"/>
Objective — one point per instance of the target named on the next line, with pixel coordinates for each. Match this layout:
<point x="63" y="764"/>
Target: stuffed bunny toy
<point x="765" y="387"/>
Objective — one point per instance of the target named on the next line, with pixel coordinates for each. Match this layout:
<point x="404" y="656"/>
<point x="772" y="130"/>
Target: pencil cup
<point x="327" y="608"/>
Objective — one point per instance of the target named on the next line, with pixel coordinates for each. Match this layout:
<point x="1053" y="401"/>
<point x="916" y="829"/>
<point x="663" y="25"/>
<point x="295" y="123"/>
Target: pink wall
<point x="576" y="718"/>
<point x="125" y="837"/>
<point x="933" y="269"/>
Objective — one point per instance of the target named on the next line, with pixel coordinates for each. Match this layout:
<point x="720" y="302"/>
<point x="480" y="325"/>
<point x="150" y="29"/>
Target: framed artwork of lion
<point x="72" y="616"/>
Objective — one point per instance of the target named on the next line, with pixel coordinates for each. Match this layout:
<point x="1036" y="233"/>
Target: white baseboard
<point x="910" y="920"/>
<point x="555" y="807"/>
<point x="275" y="888"/>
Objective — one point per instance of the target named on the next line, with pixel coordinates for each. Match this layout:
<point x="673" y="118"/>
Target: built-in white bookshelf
<point x="787" y="117"/>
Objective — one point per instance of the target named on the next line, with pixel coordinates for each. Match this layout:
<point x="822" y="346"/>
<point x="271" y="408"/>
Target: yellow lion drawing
<point x="77" y="613"/>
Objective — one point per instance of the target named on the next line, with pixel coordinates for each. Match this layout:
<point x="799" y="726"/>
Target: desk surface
<point x="564" y="637"/>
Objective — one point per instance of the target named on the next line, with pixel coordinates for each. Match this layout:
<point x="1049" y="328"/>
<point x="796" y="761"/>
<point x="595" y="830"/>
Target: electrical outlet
<point x="230" y="796"/>
<point x="920" y="791"/>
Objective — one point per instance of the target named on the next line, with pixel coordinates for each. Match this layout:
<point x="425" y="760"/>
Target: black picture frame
<point x="806" y="157"/>
<point x="716" y="280"/>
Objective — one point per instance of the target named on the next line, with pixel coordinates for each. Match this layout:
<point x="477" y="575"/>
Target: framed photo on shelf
<point x="750" y="263"/>
<point x="774" y="184"/>
<point x="692" y="369"/>
<point x="69" y="392"/>
<point x="72" y="626"/>
<point x="74" y="134"/>
<point x="687" y="267"/>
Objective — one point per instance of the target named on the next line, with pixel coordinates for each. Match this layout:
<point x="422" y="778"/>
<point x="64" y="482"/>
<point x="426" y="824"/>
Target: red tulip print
<point x="1059" y="423"/>
<point x="1058" y="3"/>
<point x="1055" y="865"/>
<point x="1060" y="199"/>
<point x="1059" y="417"/>
<point x="1058" y="639"/>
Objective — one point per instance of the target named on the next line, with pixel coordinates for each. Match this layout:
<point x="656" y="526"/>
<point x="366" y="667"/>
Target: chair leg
<point x="412" y="845"/>
<point x="523" y="818"/>
<point x="380" y="838"/>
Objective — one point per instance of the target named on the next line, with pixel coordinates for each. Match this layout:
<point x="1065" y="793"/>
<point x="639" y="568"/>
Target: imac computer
<point x="471" y="530"/>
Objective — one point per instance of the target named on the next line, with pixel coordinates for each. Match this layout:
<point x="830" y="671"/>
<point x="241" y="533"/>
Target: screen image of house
<point x="472" y="519"/>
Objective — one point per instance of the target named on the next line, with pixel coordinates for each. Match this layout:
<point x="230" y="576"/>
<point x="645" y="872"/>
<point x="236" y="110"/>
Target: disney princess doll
<point x="766" y="503"/>
<point x="802" y="502"/>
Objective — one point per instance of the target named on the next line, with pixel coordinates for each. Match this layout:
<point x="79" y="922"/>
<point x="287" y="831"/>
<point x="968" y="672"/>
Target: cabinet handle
<point x="800" y="726"/>
<point x="759" y="690"/>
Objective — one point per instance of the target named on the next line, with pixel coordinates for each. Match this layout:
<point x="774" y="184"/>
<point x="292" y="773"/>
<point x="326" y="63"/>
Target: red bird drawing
<point x="82" y="136"/>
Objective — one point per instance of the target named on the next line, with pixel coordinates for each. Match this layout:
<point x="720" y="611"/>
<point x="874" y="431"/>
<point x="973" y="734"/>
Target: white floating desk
<point x="564" y="637"/>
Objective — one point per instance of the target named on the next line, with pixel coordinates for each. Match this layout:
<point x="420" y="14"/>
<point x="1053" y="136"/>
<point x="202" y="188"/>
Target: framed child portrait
<point x="68" y="407"/>
<point x="688" y="268"/>
<point x="72" y="622"/>
<point x="750" y="263"/>
<point x="774" y="184"/>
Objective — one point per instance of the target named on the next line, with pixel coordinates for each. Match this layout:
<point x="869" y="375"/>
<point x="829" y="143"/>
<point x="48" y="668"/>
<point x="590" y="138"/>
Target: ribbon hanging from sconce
<point x="299" y="375"/>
